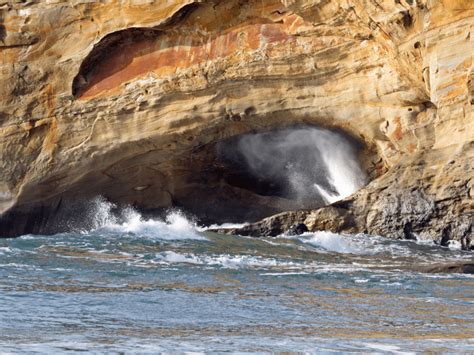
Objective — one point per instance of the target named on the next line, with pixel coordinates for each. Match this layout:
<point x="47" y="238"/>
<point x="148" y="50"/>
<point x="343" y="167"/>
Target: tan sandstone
<point x="127" y="99"/>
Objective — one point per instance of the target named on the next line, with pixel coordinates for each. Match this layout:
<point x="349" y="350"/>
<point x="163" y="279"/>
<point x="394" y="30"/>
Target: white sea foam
<point x="455" y="245"/>
<point x="225" y="260"/>
<point x="5" y="250"/>
<point x="223" y="226"/>
<point x="175" y="226"/>
<point x="28" y="237"/>
<point x="20" y="266"/>
<point x="284" y="273"/>
<point x="332" y="242"/>
<point x="386" y="348"/>
<point x="363" y="244"/>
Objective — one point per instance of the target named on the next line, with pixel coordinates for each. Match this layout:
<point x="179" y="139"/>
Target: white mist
<point x="315" y="163"/>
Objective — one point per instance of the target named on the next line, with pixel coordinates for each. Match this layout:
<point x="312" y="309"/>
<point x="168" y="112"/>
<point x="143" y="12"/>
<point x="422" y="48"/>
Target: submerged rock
<point x="461" y="268"/>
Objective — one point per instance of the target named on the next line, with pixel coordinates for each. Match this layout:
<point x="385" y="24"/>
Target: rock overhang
<point x="337" y="73"/>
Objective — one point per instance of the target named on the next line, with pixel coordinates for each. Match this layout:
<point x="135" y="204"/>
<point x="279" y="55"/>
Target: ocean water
<point x="150" y="285"/>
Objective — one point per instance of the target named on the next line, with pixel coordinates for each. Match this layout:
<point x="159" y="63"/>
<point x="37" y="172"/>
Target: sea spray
<point x="333" y="242"/>
<point x="100" y="213"/>
<point x="106" y="218"/>
<point x="312" y="163"/>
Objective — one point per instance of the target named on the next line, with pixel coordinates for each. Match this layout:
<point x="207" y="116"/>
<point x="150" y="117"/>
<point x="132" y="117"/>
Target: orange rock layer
<point x="170" y="52"/>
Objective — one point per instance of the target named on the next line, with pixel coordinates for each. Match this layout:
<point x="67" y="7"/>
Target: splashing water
<point x="160" y="285"/>
<point x="312" y="162"/>
<point x="99" y="213"/>
<point x="103" y="219"/>
<point x="332" y="242"/>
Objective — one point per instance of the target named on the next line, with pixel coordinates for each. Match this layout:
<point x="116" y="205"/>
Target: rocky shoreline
<point x="130" y="102"/>
<point x="383" y="208"/>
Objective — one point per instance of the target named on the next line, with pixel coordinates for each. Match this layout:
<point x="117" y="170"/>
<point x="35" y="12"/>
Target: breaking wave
<point x="367" y="245"/>
<point x="333" y="242"/>
<point x="174" y="226"/>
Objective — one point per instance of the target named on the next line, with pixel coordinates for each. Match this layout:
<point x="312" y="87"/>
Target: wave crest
<point x="174" y="226"/>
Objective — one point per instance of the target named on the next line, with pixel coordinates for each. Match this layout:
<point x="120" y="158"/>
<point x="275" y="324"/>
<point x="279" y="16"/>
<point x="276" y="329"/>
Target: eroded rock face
<point x="128" y="100"/>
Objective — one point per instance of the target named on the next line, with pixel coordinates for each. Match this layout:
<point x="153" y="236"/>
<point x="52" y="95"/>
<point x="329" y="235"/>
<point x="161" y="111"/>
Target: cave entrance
<point x="309" y="165"/>
<point x="259" y="174"/>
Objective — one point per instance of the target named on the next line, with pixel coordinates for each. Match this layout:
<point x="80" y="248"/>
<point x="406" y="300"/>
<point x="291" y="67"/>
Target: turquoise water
<point x="147" y="286"/>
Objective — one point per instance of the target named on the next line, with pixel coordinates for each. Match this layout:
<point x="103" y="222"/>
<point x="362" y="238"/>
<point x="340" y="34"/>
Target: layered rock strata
<point x="129" y="99"/>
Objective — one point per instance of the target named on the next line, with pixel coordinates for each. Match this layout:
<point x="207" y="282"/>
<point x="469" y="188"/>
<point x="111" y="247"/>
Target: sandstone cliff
<point x="129" y="99"/>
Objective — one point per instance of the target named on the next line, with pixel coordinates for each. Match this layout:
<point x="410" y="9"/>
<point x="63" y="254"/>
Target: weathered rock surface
<point x="128" y="100"/>
<point x="461" y="268"/>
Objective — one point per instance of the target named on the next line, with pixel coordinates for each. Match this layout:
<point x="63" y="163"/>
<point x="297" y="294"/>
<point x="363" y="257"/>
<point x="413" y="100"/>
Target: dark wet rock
<point x="399" y="214"/>
<point x="457" y="268"/>
<point x="336" y="218"/>
<point x="406" y="203"/>
<point x="445" y="236"/>
<point x="466" y="236"/>
<point x="408" y="232"/>
<point x="270" y="226"/>
<point x="381" y="210"/>
<point x="297" y="229"/>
